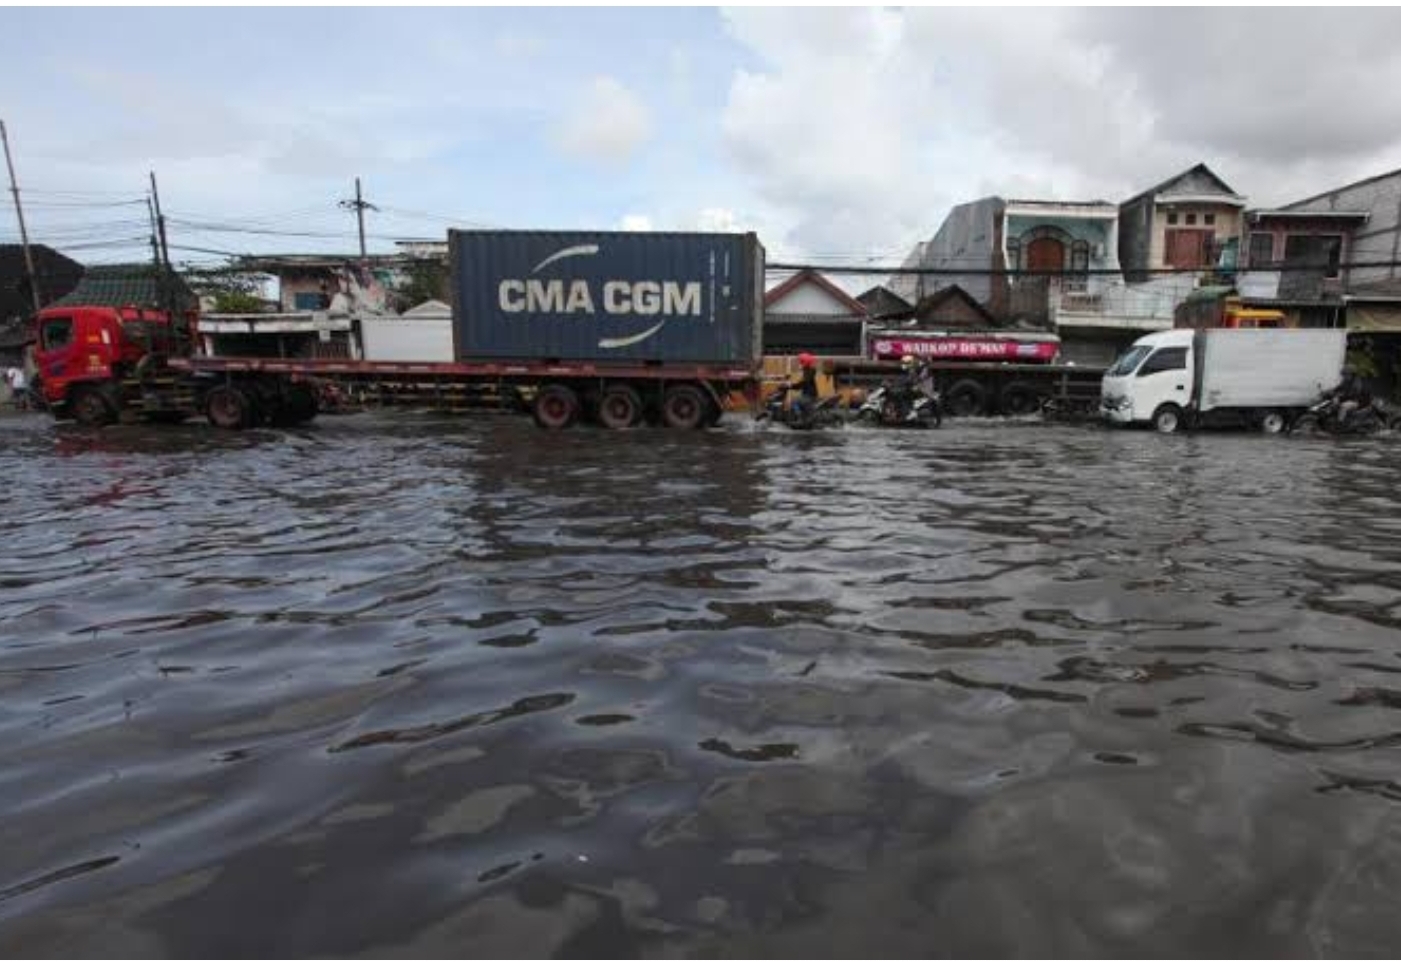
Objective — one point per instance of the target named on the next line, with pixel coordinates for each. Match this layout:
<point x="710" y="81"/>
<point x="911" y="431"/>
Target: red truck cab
<point x="84" y="353"/>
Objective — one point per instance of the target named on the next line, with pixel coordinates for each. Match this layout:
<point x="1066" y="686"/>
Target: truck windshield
<point x="1128" y="362"/>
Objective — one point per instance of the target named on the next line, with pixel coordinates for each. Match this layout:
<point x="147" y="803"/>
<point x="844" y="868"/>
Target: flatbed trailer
<point x="244" y="391"/>
<point x="975" y="387"/>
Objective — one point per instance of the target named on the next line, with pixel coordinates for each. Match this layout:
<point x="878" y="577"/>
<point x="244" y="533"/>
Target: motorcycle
<point x="1328" y="415"/>
<point x="920" y="406"/>
<point x="805" y="417"/>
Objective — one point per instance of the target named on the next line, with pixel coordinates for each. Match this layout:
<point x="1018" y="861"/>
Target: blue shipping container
<point x="607" y="296"/>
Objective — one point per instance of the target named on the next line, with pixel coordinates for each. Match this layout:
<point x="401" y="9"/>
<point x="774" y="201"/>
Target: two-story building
<point x="1179" y="224"/>
<point x="1044" y="265"/>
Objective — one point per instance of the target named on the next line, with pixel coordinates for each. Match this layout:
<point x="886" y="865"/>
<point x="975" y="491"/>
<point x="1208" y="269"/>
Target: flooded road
<point x="398" y="684"/>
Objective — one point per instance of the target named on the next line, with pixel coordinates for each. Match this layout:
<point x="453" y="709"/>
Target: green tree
<point x="424" y="280"/>
<point x="237" y="302"/>
<point x="235" y="291"/>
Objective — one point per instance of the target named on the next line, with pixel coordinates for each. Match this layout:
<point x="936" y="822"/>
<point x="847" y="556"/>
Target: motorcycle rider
<point x="805" y="385"/>
<point x="906" y="392"/>
<point x="1352" y="396"/>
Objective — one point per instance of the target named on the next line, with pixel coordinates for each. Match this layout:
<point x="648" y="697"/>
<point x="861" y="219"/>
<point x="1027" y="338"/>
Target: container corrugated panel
<point x="607" y="296"/>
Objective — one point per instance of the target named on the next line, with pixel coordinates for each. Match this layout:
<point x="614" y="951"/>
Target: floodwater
<point x="403" y="684"/>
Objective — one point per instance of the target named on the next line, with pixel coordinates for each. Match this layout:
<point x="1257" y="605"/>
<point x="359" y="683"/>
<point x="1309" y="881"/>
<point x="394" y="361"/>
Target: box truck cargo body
<point x="601" y="296"/>
<point x="1261" y="378"/>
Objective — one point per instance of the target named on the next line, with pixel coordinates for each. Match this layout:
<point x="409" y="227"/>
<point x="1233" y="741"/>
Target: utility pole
<point x="165" y="274"/>
<point x="23" y="234"/>
<point x="155" y="244"/>
<point x="160" y="222"/>
<point x="359" y="205"/>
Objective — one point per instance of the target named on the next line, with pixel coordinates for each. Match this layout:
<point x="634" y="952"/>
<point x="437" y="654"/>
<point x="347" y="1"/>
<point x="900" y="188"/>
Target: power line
<point x="1062" y="272"/>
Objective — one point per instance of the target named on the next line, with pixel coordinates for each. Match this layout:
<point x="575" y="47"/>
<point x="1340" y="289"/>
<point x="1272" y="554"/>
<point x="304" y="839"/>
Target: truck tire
<point x="556" y="407"/>
<point x="1167" y="419"/>
<point x="685" y="407"/>
<point x="228" y="408"/>
<point x="965" y="399"/>
<point x="1273" y="422"/>
<point x="619" y="407"/>
<point x="1019" y="398"/>
<point x="92" y="406"/>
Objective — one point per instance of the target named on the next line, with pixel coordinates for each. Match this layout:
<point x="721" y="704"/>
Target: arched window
<point x="1080" y="256"/>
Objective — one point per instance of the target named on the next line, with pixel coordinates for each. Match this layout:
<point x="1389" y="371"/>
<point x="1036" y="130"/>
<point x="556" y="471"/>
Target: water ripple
<point x="1002" y="688"/>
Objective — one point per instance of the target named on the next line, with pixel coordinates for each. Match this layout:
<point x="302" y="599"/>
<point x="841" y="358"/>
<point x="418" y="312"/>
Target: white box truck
<point x="1255" y="378"/>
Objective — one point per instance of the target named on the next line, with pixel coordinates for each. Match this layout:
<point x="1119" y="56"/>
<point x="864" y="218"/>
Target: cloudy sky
<point x="834" y="133"/>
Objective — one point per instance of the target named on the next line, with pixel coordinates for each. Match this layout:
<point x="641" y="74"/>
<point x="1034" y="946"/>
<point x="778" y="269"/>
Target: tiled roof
<point x="122" y="285"/>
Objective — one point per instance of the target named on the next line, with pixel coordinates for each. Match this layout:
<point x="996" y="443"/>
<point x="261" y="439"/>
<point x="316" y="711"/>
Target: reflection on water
<point x="400" y="684"/>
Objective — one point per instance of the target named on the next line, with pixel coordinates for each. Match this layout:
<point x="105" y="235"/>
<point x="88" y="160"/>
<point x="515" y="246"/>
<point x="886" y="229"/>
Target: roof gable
<point x="881" y="301"/>
<point x="1200" y="179"/>
<point x="951" y="296"/>
<point x="809" y="277"/>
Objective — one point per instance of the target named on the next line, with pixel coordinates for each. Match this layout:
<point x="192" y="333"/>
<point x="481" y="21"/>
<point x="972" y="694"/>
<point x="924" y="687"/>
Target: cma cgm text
<point x="669" y="298"/>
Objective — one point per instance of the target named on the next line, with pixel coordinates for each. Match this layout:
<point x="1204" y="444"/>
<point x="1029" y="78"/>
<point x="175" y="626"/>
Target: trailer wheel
<point x="1019" y="398"/>
<point x="965" y="399"/>
<point x="1273" y="422"/>
<point x="1167" y="419"/>
<point x="556" y="406"/>
<point x="619" y="406"/>
<point x="684" y="407"/>
<point x="228" y="408"/>
<point x="92" y="407"/>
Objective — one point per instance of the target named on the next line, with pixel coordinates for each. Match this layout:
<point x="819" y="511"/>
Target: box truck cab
<point x="1150" y="382"/>
<point x="1247" y="377"/>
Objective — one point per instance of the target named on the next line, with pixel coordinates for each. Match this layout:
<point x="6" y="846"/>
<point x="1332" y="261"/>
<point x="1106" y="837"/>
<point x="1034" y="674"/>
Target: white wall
<point x="808" y="298"/>
<point x="407" y="338"/>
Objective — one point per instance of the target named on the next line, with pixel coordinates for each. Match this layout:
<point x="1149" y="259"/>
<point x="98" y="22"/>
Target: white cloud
<point x="719" y="219"/>
<point x="635" y="222"/>
<point x="607" y="125"/>
<point x="862" y="127"/>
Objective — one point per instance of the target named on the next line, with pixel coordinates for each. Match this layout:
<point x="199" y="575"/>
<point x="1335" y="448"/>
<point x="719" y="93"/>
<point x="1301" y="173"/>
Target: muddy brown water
<point x="402" y="684"/>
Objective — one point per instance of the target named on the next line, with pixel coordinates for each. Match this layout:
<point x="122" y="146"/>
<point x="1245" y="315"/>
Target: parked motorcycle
<point x="918" y="406"/>
<point x="804" y="417"/>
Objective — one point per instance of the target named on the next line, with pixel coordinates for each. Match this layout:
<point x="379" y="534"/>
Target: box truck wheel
<point x="228" y="408"/>
<point x="1167" y="419"/>
<point x="685" y="407"/>
<point x="92" y="406"/>
<point x="619" y="407"/>
<point x="1273" y="422"/>
<point x="965" y="398"/>
<point x="556" y="406"/>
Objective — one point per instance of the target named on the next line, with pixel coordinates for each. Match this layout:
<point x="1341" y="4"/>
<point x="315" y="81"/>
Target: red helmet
<point x="806" y="360"/>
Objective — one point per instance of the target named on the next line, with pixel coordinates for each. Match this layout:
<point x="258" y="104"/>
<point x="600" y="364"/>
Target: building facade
<point x="808" y="312"/>
<point x="1181" y="224"/>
